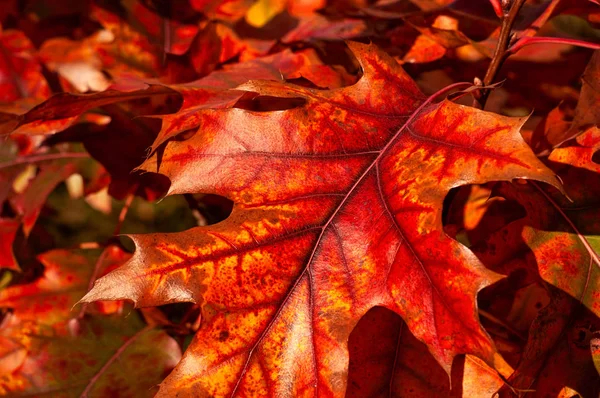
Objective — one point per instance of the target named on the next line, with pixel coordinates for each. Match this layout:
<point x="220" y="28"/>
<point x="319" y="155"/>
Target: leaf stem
<point x="500" y="53"/>
<point x="42" y="158"/>
<point x="373" y="166"/>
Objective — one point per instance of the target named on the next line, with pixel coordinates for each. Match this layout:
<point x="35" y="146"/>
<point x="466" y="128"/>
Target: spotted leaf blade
<point x="337" y="209"/>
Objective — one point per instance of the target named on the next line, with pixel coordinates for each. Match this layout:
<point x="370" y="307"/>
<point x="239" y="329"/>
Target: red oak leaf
<point x="29" y="203"/>
<point x="133" y="136"/>
<point x="67" y="276"/>
<point x="226" y="10"/>
<point x="20" y="72"/>
<point x="224" y="45"/>
<point x="22" y="84"/>
<point x="319" y="27"/>
<point x="45" y="350"/>
<point x="557" y="357"/>
<point x="556" y="244"/>
<point x="557" y="126"/>
<point x="213" y="91"/>
<point x="64" y="109"/>
<point x="337" y="210"/>
<point x="89" y="363"/>
<point x="552" y="242"/>
<point x="386" y="360"/>
<point x="586" y="113"/>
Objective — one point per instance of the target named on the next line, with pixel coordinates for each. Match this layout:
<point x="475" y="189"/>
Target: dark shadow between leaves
<point x="386" y="360"/>
<point x="263" y="103"/>
<point x="596" y="157"/>
<point x="558" y="327"/>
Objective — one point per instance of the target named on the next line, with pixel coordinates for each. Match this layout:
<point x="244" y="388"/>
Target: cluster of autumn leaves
<point x="384" y="240"/>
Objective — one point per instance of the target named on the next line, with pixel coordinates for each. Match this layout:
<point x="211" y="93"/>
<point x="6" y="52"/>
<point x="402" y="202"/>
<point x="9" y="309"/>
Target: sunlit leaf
<point x="337" y="209"/>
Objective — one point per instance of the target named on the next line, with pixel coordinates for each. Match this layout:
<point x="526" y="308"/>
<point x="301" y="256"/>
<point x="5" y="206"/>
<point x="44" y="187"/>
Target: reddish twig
<point x="527" y="41"/>
<point x="511" y="10"/>
<point x="42" y="158"/>
<point x="124" y="211"/>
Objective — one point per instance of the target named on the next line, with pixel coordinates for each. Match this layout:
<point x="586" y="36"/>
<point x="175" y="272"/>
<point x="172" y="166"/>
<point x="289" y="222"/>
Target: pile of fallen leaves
<point x="324" y="198"/>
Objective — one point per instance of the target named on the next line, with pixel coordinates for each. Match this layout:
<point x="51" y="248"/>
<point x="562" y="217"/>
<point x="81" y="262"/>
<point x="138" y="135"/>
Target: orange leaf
<point x="387" y="360"/>
<point x="213" y="91"/>
<point x="50" y="299"/>
<point x="30" y="202"/>
<point x="227" y="10"/>
<point x="337" y="210"/>
<point x="586" y="113"/>
<point x="64" y="109"/>
<point x="20" y="72"/>
<point x="557" y="243"/>
<point x="107" y="356"/>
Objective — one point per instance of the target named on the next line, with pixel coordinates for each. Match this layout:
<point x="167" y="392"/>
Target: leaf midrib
<point x="323" y="228"/>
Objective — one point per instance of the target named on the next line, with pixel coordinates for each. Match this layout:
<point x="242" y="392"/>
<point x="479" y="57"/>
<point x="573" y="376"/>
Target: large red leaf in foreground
<point x="337" y="209"/>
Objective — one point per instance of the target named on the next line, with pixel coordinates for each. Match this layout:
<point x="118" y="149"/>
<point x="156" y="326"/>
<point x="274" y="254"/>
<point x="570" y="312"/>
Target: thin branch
<point x="124" y="211"/>
<point x="500" y="53"/>
<point x="43" y="157"/>
<point x="527" y="41"/>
